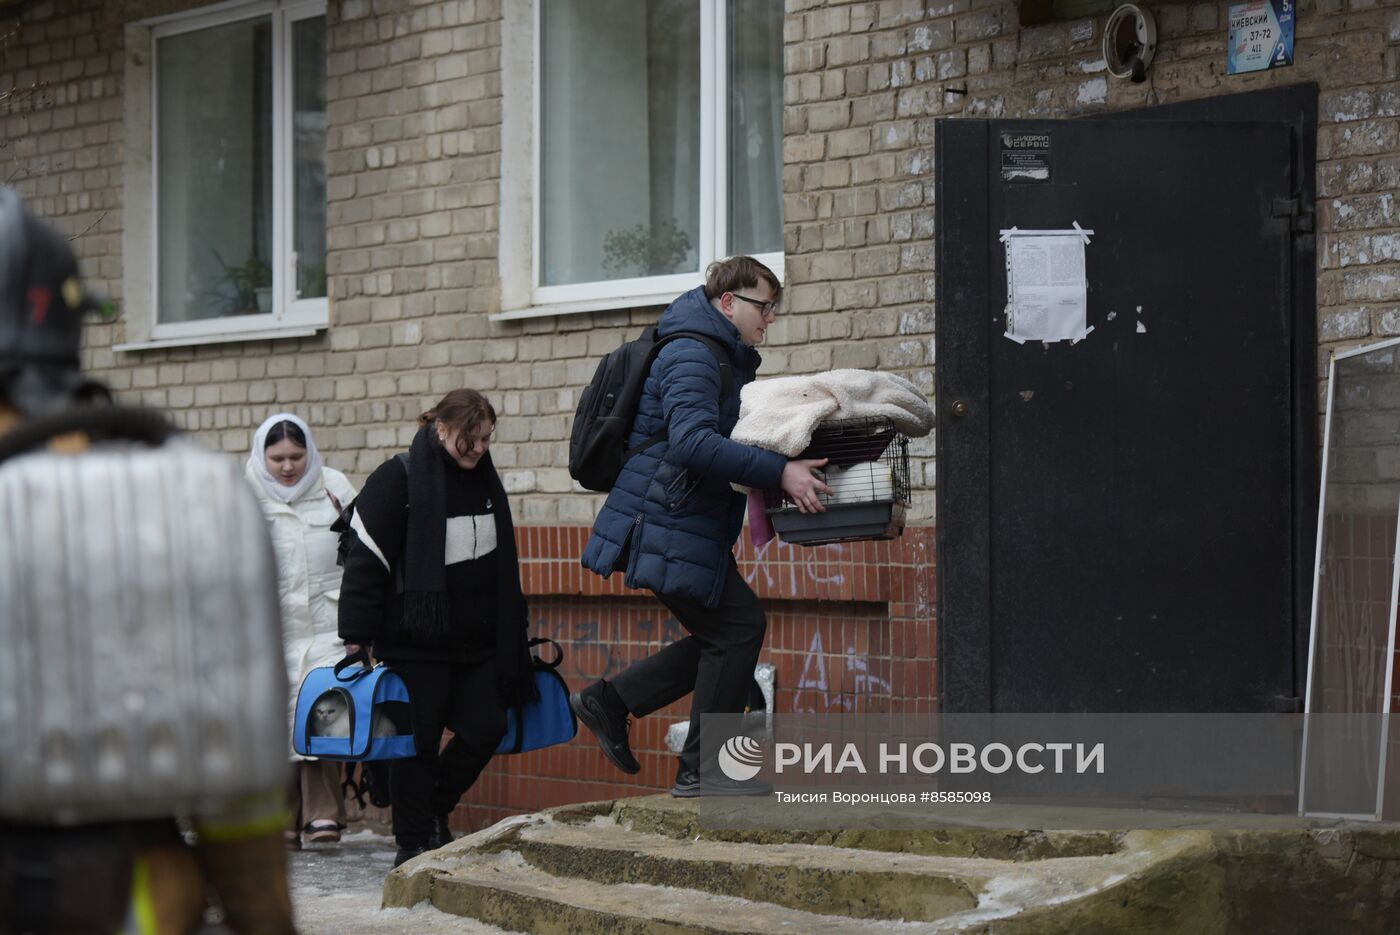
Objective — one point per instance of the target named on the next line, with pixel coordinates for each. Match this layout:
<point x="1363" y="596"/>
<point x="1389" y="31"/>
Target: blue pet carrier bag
<point x="549" y="720"/>
<point x="359" y="715"/>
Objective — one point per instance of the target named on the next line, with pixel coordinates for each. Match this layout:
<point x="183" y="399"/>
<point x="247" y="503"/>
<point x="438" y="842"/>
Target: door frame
<point x="964" y="625"/>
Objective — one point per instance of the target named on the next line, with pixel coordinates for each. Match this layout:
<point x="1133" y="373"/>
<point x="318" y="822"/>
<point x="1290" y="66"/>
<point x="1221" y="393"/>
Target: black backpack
<point x="598" y="443"/>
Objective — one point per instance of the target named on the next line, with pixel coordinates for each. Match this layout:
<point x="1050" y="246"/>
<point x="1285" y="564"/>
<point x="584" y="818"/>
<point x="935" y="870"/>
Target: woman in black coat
<point x="432" y="583"/>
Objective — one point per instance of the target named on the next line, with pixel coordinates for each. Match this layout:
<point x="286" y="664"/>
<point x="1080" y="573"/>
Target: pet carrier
<point x="547" y="721"/>
<point x="362" y="714"/>
<point x="868" y="473"/>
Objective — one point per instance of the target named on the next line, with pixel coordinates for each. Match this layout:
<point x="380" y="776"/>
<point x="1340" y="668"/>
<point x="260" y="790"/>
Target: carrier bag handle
<point x="558" y="652"/>
<point x="357" y="656"/>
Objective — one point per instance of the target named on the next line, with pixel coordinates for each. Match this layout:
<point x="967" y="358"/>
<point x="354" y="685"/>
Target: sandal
<point x="322" y="832"/>
<point x="293" y="839"/>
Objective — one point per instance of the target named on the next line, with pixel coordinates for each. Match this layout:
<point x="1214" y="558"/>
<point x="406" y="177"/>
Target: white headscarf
<point x="257" y="460"/>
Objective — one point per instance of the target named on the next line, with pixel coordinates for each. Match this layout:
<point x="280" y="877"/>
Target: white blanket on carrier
<point x="780" y="414"/>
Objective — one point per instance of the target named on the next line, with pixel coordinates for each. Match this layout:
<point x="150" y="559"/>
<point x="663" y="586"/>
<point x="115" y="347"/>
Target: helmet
<point x="42" y="301"/>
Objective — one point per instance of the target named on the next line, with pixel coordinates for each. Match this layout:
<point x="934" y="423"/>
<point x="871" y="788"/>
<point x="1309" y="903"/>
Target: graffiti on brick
<point x="813" y="694"/>
<point x="589" y="641"/>
<point x="923" y="583"/>
<point x="782" y="566"/>
<point x="671" y="630"/>
<point x="863" y="683"/>
<point x="586" y="638"/>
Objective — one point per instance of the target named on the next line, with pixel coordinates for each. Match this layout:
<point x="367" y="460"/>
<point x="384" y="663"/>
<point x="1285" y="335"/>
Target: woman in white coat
<point x="301" y="498"/>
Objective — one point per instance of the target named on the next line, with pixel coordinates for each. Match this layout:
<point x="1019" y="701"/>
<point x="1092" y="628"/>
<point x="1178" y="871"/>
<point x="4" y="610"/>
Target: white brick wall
<point x="415" y="135"/>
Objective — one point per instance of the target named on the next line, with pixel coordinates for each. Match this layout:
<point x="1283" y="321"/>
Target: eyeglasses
<point x="767" y="308"/>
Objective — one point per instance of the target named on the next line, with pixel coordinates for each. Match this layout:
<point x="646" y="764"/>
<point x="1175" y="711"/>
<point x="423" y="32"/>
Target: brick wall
<point x="415" y="128"/>
<point x="850" y="630"/>
<point x="414" y="167"/>
<point x="414" y="188"/>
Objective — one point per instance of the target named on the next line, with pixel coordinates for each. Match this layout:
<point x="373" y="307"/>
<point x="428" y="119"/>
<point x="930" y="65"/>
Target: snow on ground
<point x="336" y="890"/>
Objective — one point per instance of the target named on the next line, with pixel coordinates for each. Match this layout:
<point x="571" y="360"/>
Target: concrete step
<point x="504" y="890"/>
<point x="679" y="818"/>
<point x="819" y="879"/>
<point x="583" y="869"/>
<point x="627" y="867"/>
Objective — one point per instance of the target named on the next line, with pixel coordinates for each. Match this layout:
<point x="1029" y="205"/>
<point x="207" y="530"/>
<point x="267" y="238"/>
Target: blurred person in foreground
<point x="128" y="875"/>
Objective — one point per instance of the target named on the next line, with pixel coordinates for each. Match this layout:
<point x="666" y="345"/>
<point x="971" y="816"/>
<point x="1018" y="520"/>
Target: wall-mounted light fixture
<point x="1129" y="42"/>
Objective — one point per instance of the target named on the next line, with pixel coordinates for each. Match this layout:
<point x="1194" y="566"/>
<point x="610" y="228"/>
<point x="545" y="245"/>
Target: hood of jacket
<point x="691" y="311"/>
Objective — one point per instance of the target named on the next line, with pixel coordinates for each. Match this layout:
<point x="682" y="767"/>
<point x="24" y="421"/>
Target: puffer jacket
<point x="308" y="578"/>
<point x="672" y="518"/>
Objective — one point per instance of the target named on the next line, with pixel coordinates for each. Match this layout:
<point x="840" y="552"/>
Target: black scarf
<point x="426" y="611"/>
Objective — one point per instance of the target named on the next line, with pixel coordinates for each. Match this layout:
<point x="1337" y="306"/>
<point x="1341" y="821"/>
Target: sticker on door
<point x="1025" y="157"/>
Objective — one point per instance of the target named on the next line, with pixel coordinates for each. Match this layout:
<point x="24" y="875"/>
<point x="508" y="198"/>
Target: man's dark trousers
<point x="716" y="661"/>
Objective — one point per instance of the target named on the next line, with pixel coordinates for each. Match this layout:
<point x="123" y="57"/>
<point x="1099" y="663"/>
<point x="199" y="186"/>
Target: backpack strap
<point x="726" y="369"/>
<point x="398" y="566"/>
<point x="354" y="782"/>
<point x="342" y="526"/>
<point x="726" y="381"/>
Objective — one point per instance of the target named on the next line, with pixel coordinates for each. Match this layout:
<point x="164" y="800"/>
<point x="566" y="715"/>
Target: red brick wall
<point x="850" y="628"/>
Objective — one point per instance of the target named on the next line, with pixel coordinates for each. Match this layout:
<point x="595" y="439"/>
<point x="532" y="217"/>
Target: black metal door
<point x="1119" y="518"/>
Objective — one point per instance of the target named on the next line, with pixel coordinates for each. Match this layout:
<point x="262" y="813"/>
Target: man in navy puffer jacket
<point x="671" y="520"/>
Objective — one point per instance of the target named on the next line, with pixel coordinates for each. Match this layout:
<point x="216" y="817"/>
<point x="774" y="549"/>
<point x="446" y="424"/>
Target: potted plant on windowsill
<point x="246" y="288"/>
<point x="646" y="250"/>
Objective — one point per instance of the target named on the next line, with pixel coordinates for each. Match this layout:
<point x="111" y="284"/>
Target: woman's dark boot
<point x="441" y="833"/>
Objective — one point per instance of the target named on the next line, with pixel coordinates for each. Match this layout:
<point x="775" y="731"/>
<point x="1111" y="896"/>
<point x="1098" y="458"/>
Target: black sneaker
<point x="440" y="835"/>
<point x="687" y="783"/>
<point x="406" y="854"/>
<point x="609" y="727"/>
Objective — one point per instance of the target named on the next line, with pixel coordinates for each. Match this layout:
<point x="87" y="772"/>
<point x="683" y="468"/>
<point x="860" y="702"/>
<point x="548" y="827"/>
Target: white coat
<point x="308" y="579"/>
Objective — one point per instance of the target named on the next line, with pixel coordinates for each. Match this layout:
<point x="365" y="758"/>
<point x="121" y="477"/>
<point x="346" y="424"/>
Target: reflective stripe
<point x="223" y="832"/>
<point x="251" y="817"/>
<point x="141" y="914"/>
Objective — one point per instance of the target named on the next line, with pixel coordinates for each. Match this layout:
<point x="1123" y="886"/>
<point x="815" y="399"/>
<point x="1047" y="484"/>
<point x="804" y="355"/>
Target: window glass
<point x="755" y="127"/>
<point x="309" y="156"/>
<point x="214" y="175"/>
<point x="620" y="139"/>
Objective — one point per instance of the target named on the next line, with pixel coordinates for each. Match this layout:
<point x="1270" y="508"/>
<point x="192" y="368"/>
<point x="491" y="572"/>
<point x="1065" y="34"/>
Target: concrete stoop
<point x="643" y="866"/>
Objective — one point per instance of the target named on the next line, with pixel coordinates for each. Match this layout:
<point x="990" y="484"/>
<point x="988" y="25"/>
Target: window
<point x="237" y="187"/>
<point x="657" y="148"/>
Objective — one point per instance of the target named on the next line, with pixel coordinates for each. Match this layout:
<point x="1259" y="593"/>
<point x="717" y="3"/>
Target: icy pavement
<point x="336" y="890"/>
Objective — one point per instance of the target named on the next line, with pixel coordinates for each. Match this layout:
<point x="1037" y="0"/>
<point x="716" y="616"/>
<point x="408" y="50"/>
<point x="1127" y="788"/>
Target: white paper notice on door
<point x="1046" y="287"/>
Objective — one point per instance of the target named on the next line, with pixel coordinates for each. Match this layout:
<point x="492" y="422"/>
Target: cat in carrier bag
<point x="360" y="714"/>
<point x="365" y="714"/>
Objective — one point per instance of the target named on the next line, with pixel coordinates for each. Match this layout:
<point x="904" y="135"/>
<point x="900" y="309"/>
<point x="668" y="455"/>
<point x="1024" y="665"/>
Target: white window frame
<point x="522" y="295"/>
<point x="290" y="316"/>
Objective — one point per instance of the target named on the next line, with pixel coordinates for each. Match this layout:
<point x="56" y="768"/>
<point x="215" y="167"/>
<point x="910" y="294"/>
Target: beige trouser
<point x="315" y="794"/>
